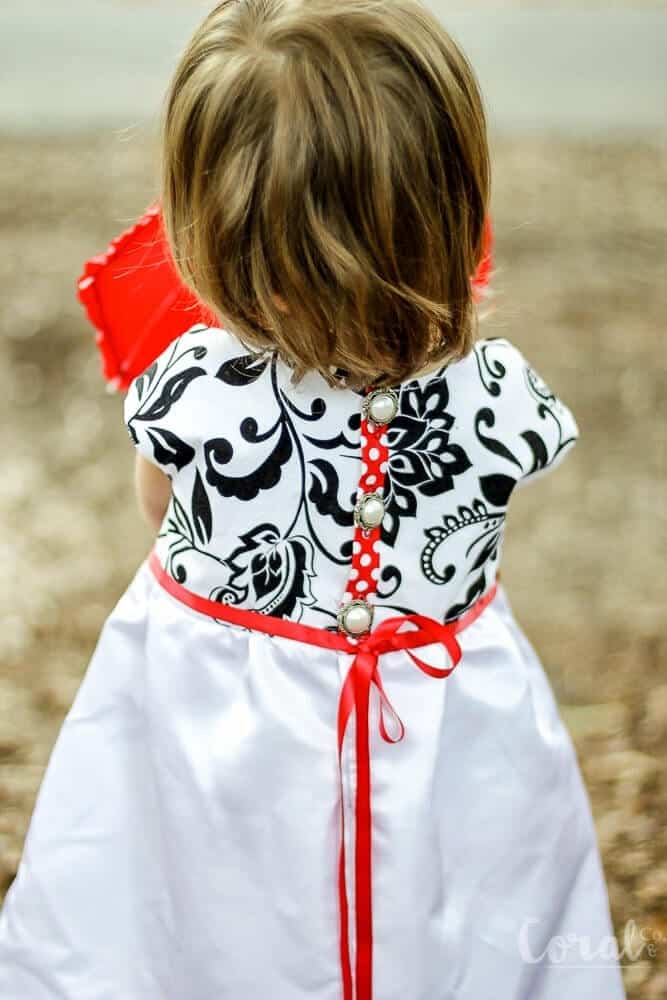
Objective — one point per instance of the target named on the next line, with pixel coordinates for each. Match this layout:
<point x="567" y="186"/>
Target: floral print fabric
<point x="265" y="475"/>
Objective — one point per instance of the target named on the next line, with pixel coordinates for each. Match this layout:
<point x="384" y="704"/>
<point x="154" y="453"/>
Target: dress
<point x="185" y="840"/>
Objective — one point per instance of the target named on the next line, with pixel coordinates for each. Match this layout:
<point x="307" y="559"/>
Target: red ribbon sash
<point x="363" y="674"/>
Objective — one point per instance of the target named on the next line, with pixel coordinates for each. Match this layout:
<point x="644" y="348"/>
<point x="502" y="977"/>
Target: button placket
<point x="356" y="610"/>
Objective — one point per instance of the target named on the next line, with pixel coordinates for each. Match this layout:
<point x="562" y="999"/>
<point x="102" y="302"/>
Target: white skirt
<point x="185" y="840"/>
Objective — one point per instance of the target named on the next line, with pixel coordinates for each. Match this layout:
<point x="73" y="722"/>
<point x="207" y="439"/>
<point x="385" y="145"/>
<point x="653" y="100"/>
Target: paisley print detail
<point x="270" y="574"/>
<point x="481" y="532"/>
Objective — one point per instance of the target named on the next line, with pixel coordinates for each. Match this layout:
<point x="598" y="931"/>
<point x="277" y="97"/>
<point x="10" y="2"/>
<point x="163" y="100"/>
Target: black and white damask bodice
<point x="290" y="499"/>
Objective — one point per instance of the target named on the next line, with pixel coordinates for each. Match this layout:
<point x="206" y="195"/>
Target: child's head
<point x="326" y="180"/>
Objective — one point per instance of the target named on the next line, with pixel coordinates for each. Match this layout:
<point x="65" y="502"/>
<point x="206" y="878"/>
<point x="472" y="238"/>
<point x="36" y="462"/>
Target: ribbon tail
<point x="363" y="852"/>
<point x="344" y="916"/>
<point x="345" y="708"/>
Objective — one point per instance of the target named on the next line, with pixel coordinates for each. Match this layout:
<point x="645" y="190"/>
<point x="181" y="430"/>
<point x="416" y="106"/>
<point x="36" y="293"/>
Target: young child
<point x="272" y="782"/>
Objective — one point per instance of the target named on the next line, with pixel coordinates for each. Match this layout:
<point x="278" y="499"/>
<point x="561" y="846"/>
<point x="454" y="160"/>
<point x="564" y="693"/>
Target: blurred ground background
<point x="580" y="286"/>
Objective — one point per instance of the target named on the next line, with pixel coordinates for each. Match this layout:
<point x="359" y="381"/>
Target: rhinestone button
<point x="355" y="617"/>
<point x="369" y="510"/>
<point x="381" y="406"/>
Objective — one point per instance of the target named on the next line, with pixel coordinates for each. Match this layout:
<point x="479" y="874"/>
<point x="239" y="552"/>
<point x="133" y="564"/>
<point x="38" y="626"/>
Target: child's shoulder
<point x="501" y="371"/>
<point x="162" y="405"/>
<point x="517" y="415"/>
<point x="199" y="350"/>
<point x="208" y="343"/>
<point x="496" y="355"/>
<point x="499" y="354"/>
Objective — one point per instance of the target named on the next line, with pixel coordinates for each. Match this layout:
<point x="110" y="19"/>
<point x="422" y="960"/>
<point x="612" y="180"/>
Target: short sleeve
<point x="536" y="428"/>
<point x="156" y="404"/>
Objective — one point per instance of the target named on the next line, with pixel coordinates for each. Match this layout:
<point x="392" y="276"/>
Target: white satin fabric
<point x="184" y="844"/>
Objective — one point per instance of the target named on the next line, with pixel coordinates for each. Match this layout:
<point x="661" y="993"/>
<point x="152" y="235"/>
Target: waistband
<point x="354" y="698"/>
<point x="381" y="639"/>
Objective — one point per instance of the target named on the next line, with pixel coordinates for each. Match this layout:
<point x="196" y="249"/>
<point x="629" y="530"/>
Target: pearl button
<point x="369" y="510"/>
<point x="381" y="406"/>
<point x="355" y="617"/>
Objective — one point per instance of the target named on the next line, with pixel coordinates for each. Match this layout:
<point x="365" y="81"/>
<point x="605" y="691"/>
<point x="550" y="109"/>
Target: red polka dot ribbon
<point x="365" y="567"/>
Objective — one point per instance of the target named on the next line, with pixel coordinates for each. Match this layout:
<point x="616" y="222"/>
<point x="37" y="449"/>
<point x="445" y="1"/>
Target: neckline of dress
<point x="425" y="378"/>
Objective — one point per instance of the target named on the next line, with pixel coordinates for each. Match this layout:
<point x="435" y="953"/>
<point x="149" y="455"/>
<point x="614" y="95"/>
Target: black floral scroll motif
<point x="497" y="488"/>
<point x="169" y="449"/>
<point x="277" y="447"/>
<point x="242" y="370"/>
<point x="202" y="516"/>
<point x="538" y="449"/>
<point x="157" y="394"/>
<point x="491" y="370"/>
<point x="271" y="574"/>
<point x="543" y="407"/>
<point x="388" y="583"/>
<point x="220" y="451"/>
<point x="145" y="380"/>
<point x="538" y="387"/>
<point x="323" y="498"/>
<point x="324" y="492"/>
<point x="178" y="528"/>
<point x="422" y="459"/>
<point x="188" y="532"/>
<point x="549" y="409"/>
<point x="474" y="591"/>
<point x="316" y="412"/>
<point x="482" y="530"/>
<point x="486" y="418"/>
<point x="548" y="412"/>
<point x="172" y="390"/>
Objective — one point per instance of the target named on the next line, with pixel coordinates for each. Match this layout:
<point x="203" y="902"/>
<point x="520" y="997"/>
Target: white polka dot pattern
<point x="365" y="568"/>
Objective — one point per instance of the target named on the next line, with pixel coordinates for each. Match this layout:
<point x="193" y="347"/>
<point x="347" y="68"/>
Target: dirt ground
<point x="580" y="287"/>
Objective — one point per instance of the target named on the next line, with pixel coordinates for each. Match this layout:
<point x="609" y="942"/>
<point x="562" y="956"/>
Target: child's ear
<point x="280" y="303"/>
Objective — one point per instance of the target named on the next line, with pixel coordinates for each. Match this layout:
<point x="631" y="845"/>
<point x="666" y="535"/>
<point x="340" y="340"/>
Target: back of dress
<point x="275" y="810"/>
<point x="291" y="500"/>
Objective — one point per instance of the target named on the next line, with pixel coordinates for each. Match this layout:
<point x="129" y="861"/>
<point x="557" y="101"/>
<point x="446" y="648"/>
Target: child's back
<point x="266" y="477"/>
<point x="273" y="782"/>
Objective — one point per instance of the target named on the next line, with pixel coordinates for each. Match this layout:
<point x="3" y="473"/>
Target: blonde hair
<point x="325" y="183"/>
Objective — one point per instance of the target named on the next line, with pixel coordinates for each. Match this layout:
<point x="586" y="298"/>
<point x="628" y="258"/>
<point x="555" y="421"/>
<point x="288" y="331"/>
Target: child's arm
<point x="153" y="489"/>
